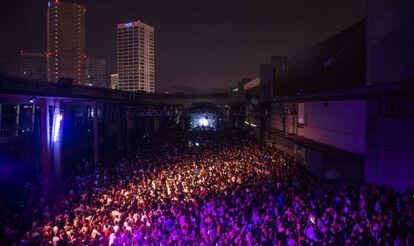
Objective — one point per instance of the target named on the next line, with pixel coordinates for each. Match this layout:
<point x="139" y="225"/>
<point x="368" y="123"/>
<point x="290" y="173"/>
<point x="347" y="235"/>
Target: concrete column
<point x="56" y="143"/>
<point x="0" y="115"/>
<point x="177" y="116"/>
<point x="156" y="124"/>
<point x="227" y="115"/>
<point x="95" y="134"/>
<point x="17" y="119"/>
<point x="33" y="118"/>
<point x="128" y="127"/>
<point x="50" y="144"/>
<point x="120" y="127"/>
<point x="45" y="146"/>
<point x="57" y="138"/>
<point x="286" y="122"/>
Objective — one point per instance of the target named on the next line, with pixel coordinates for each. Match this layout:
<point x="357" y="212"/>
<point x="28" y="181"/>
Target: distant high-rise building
<point x="66" y="56"/>
<point x="96" y="72"/>
<point x="33" y="66"/>
<point x="136" y="56"/>
<point x="114" y="81"/>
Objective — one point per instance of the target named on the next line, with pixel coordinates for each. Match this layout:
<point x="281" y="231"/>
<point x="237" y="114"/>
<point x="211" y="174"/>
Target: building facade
<point x="33" y="66"/>
<point x="66" y="55"/>
<point x="135" y="57"/>
<point x="114" y="81"/>
<point x="345" y="106"/>
<point x="96" y="72"/>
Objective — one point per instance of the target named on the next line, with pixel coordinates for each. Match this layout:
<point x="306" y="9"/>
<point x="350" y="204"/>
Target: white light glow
<point x="203" y="122"/>
<point x="56" y="128"/>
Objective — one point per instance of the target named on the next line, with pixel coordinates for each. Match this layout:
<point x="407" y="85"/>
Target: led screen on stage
<point x="203" y="121"/>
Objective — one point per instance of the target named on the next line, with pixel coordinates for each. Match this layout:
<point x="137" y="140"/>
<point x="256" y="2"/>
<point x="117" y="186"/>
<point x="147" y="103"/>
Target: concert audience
<point x="212" y="188"/>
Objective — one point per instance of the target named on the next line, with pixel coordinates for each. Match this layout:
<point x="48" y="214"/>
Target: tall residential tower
<point x="66" y="55"/>
<point x="135" y="55"/>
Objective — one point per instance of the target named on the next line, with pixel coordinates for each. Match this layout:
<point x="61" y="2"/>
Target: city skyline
<point x="220" y="44"/>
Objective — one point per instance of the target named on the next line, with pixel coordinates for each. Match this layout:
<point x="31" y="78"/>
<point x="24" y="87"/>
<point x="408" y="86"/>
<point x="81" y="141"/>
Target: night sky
<point x="201" y="44"/>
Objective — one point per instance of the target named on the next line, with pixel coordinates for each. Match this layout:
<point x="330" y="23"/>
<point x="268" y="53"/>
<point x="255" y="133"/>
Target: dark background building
<point x="96" y="72"/>
<point x="33" y="66"/>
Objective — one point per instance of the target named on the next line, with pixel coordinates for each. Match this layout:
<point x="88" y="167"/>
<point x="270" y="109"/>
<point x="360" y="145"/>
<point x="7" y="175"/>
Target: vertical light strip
<point x="56" y="126"/>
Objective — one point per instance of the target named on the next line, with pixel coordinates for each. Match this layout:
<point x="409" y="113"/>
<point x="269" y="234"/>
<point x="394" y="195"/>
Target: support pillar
<point x="17" y="120"/>
<point x="57" y="137"/>
<point x="95" y="134"/>
<point x="56" y="144"/>
<point x="147" y="125"/>
<point x="50" y="144"/>
<point x="128" y="118"/>
<point x="120" y="127"/>
<point x="45" y="146"/>
<point x="32" y="119"/>
<point x="156" y="124"/>
<point x="286" y="122"/>
<point x="0" y="114"/>
<point x="227" y="116"/>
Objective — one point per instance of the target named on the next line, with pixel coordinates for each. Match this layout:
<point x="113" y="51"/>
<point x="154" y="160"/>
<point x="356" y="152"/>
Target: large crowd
<point x="214" y="188"/>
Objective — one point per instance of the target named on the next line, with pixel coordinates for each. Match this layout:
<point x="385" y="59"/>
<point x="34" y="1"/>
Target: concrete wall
<point x="337" y="123"/>
<point x="267" y="73"/>
<point x="291" y="124"/>
<point x="390" y="57"/>
<point x="390" y="152"/>
<point x="314" y="163"/>
<point x="301" y="118"/>
<point x="330" y="167"/>
<point x="276" y="119"/>
<point x="390" y="39"/>
<point x="322" y="164"/>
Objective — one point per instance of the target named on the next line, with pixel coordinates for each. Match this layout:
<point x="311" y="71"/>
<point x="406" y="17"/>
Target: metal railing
<point x="10" y="132"/>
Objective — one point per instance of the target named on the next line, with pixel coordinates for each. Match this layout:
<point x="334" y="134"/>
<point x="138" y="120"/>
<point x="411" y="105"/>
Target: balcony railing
<point x="8" y="133"/>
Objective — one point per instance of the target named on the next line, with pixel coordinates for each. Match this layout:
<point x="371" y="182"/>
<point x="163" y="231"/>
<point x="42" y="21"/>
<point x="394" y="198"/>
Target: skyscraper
<point x="32" y="66"/>
<point x="135" y="48"/>
<point x="96" y="72"/>
<point x="66" y="56"/>
<point x="114" y="81"/>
